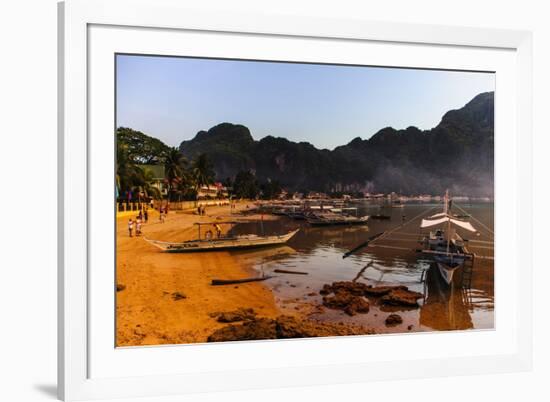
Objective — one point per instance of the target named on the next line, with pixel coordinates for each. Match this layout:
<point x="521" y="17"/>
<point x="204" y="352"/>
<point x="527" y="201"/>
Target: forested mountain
<point x="457" y="154"/>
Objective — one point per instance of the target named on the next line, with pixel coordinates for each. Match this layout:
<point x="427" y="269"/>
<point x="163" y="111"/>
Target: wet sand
<point x="149" y="310"/>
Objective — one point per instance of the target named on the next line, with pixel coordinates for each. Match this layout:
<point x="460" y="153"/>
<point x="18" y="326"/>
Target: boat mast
<point x="446" y="210"/>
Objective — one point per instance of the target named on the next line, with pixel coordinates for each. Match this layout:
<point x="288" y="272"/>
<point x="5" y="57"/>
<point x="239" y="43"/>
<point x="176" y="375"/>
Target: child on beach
<point x="138" y="225"/>
<point x="130" y="226"/>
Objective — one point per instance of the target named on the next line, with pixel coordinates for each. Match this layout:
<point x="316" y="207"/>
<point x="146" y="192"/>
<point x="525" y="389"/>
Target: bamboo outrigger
<point x="218" y="242"/>
<point x="444" y="246"/>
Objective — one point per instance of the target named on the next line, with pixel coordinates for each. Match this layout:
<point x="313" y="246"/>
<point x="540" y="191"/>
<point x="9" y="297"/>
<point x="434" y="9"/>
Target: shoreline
<point x="167" y="298"/>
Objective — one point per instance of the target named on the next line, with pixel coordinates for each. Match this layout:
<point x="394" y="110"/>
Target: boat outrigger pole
<point x="382" y="235"/>
<point x="446" y="211"/>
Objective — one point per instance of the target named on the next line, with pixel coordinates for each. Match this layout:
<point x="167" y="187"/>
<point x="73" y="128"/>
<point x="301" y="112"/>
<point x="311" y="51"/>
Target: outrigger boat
<point x="336" y="216"/>
<point x="210" y="242"/>
<point x="445" y="245"/>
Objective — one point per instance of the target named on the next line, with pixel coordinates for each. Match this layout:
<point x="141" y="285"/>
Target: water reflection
<point x="319" y="250"/>
<point x="444" y="307"/>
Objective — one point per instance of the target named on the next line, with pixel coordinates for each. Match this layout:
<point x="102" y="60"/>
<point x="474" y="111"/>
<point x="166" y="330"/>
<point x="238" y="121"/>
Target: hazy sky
<point x="173" y="98"/>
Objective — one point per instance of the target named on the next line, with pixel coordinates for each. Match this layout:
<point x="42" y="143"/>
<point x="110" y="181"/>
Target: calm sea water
<point x="319" y="250"/>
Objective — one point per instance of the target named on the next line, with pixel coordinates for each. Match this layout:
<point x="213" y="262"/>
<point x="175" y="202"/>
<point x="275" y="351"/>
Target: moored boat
<point x="333" y="218"/>
<point x="445" y="245"/>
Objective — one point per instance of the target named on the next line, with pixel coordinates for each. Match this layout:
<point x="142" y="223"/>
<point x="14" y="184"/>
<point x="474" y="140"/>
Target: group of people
<point x="135" y="226"/>
<point x="201" y="210"/>
<point x="208" y="235"/>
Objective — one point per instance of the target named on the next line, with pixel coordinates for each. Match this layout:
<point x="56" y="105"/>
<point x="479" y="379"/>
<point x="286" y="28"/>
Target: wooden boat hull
<point x="447" y="269"/>
<point x="242" y="242"/>
<point x="331" y="222"/>
<point x="296" y="216"/>
<point x="381" y="217"/>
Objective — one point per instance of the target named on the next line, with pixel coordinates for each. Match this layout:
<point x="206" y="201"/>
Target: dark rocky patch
<point x="402" y="297"/>
<point x="347" y="302"/>
<point x="393" y="319"/>
<point x="283" y="327"/>
<point x="348" y="296"/>
<point x="242" y="314"/>
<point x="382" y="290"/>
<point x="178" y="296"/>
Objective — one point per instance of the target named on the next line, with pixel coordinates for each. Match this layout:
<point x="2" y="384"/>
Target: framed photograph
<point x="252" y="201"/>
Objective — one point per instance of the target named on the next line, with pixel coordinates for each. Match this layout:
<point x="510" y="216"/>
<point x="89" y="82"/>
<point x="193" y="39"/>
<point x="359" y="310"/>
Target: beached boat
<point x="445" y="245"/>
<point x="212" y="242"/>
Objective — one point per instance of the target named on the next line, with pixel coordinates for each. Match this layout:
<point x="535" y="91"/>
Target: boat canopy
<point x="438" y="215"/>
<point x="427" y="223"/>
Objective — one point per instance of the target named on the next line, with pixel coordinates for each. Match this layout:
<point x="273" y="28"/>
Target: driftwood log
<point x="284" y="271"/>
<point x="219" y="282"/>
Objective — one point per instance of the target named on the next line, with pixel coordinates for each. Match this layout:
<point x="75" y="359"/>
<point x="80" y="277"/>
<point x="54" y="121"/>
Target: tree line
<point x="136" y="152"/>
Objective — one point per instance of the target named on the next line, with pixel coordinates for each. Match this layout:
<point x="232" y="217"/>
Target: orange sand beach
<point x="165" y="298"/>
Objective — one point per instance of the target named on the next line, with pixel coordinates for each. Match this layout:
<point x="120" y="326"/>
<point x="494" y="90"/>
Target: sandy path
<point x="147" y="312"/>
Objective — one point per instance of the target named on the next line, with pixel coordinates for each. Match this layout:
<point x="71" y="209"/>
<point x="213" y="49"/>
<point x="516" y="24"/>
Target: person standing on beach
<point x="138" y="225"/>
<point x="130" y="227"/>
<point x="146" y="216"/>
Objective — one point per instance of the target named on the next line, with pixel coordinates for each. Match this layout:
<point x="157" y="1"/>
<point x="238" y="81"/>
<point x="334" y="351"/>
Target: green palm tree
<point x="147" y="184"/>
<point x="128" y="174"/>
<point x="174" y="166"/>
<point x="202" y="172"/>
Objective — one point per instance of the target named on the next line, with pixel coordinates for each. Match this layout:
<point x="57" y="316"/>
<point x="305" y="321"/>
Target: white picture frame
<point x="83" y="27"/>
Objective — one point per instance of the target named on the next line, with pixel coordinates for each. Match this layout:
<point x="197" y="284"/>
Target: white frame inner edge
<point x="77" y="377"/>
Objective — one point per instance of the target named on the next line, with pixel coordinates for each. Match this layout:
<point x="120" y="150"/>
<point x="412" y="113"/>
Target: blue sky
<point x="173" y="98"/>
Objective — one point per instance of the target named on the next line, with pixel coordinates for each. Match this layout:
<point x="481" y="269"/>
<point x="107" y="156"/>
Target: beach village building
<point x="217" y="190"/>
